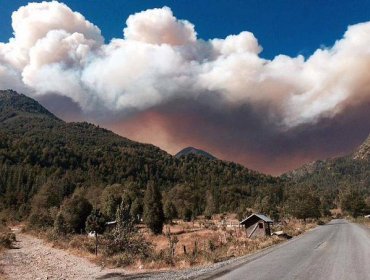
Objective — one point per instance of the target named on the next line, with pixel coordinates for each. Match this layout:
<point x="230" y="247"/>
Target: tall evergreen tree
<point x="169" y="211"/>
<point x="153" y="215"/>
<point x="353" y="202"/>
<point x="303" y="203"/>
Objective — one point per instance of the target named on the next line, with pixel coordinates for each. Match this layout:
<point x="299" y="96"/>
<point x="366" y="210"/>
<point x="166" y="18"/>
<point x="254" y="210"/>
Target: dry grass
<point x="84" y="246"/>
<point x="209" y="241"/>
<point x="363" y="221"/>
<point x="195" y="243"/>
<point x="294" y="227"/>
<point x="7" y="239"/>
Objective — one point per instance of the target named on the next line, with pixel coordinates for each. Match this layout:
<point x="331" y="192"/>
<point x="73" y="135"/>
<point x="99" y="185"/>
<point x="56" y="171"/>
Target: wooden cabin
<point x="257" y="225"/>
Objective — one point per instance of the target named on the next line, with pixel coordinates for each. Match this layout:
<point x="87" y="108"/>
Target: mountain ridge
<point x="363" y="152"/>
<point x="191" y="150"/>
<point x="38" y="150"/>
<point x="15" y="103"/>
<point x="334" y="174"/>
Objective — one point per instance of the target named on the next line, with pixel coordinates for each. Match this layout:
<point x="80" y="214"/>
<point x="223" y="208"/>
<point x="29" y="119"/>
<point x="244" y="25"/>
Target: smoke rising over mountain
<point x="221" y="94"/>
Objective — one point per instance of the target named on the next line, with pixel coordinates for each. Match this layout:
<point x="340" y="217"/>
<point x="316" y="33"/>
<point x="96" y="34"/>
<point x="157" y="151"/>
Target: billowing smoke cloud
<point x="160" y="64"/>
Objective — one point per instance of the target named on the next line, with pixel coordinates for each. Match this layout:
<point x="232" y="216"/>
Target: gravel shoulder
<point x="32" y="258"/>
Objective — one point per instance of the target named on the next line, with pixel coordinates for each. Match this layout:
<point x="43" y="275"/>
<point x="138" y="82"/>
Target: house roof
<point x="259" y="216"/>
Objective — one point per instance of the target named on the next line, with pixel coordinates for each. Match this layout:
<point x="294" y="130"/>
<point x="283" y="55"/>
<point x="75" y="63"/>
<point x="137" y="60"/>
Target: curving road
<point x="338" y="250"/>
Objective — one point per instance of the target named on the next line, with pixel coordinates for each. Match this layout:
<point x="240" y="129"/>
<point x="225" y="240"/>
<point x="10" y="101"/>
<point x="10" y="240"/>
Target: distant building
<point x="110" y="225"/>
<point x="257" y="225"/>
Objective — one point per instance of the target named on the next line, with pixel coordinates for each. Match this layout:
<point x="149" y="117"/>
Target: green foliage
<point x="95" y="222"/>
<point x="136" y="210"/>
<point x="124" y="239"/>
<point x="169" y="211"/>
<point x="187" y="215"/>
<point x="60" y="225"/>
<point x="110" y="199"/>
<point x="153" y="215"/>
<point x="353" y="202"/>
<point x="45" y="161"/>
<point x="210" y="208"/>
<point x="36" y="148"/>
<point x="75" y="211"/>
<point x="303" y="203"/>
<point x="334" y="176"/>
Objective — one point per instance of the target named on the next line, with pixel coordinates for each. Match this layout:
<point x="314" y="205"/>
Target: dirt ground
<point x="33" y="259"/>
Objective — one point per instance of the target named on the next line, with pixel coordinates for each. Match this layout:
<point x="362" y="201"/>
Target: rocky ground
<point x="33" y="259"/>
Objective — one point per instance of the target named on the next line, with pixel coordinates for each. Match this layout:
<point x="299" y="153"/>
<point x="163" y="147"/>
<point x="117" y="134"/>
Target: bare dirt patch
<point x="34" y="259"/>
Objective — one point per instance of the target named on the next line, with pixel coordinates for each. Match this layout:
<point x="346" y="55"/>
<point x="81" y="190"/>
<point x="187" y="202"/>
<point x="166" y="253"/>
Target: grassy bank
<point x="182" y="244"/>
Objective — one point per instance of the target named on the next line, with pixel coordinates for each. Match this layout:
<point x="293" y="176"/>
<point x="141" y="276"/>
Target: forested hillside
<point x="352" y="170"/>
<point x="44" y="160"/>
<point x="49" y="166"/>
<point x="343" y="182"/>
<point x="194" y="151"/>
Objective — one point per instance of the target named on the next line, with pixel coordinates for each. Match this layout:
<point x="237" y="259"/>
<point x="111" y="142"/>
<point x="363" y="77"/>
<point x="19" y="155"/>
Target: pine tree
<point x="210" y="206"/>
<point x="353" y="202"/>
<point x="169" y="211"/>
<point x="136" y="210"/>
<point x="153" y="215"/>
<point x="303" y="203"/>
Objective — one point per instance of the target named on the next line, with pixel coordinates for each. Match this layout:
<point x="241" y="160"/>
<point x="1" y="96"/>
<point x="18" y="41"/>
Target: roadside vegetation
<point x="182" y="244"/>
<point x="140" y="205"/>
<point x="362" y="220"/>
<point x="7" y="240"/>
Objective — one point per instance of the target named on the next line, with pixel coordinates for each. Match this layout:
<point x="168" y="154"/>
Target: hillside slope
<point x="352" y="170"/>
<point x="194" y="151"/>
<point x="363" y="152"/>
<point x="36" y="148"/>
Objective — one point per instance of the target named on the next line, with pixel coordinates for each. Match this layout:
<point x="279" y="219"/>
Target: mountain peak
<point x="363" y="152"/>
<point x="194" y="151"/>
<point x="12" y="102"/>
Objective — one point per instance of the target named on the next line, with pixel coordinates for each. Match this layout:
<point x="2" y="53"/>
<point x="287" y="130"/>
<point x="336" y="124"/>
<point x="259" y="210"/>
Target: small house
<point x="257" y="225"/>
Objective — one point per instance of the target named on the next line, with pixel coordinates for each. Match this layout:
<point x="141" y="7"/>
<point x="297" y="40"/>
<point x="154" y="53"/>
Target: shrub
<point x="7" y="239"/>
<point x="75" y="211"/>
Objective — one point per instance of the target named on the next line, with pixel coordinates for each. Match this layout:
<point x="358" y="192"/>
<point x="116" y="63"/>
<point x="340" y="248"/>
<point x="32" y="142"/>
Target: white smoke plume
<point x="159" y="59"/>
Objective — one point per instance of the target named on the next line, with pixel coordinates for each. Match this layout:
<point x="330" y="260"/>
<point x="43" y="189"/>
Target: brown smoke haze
<point x="161" y="84"/>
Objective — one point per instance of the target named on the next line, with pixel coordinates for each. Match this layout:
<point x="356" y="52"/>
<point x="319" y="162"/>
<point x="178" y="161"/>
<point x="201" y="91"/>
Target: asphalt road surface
<point x="338" y="250"/>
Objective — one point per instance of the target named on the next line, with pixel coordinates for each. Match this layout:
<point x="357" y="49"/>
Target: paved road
<point x="338" y="250"/>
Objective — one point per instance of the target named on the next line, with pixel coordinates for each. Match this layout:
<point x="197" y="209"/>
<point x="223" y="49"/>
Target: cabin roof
<point x="257" y="217"/>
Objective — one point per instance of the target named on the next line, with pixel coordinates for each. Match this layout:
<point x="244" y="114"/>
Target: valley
<point x="168" y="212"/>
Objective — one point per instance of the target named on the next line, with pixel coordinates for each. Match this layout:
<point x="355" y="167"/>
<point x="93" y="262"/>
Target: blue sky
<point x="161" y="87"/>
<point x="282" y="27"/>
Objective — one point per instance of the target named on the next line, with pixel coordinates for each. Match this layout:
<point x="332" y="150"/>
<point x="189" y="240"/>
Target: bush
<point x="124" y="240"/>
<point x="75" y="211"/>
<point x="7" y="239"/>
<point x="40" y="221"/>
<point x="320" y="222"/>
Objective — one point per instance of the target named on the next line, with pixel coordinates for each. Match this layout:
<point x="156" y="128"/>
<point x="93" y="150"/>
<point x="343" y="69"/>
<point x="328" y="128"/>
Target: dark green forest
<point x="48" y="167"/>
